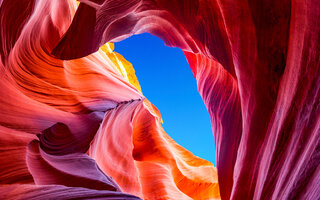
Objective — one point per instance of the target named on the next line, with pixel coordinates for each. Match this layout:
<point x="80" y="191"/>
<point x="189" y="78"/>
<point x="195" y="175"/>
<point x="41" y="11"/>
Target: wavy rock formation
<point x="257" y="68"/>
<point x="82" y="129"/>
<point x="69" y="121"/>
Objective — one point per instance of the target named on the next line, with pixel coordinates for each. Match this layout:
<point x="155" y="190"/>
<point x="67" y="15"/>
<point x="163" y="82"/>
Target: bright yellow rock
<point x="123" y="66"/>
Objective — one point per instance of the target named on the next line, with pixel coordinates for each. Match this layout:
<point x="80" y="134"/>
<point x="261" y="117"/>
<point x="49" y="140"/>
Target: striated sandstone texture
<point x="75" y="124"/>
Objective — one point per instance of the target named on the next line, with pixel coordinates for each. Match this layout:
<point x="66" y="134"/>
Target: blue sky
<point x="167" y="81"/>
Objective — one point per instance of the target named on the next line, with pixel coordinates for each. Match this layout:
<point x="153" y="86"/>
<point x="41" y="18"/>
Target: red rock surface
<point x="81" y="129"/>
<point x="258" y="71"/>
<point x="257" y="68"/>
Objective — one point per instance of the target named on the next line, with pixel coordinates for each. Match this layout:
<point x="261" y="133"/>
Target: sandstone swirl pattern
<point x="82" y="129"/>
<point x="71" y="111"/>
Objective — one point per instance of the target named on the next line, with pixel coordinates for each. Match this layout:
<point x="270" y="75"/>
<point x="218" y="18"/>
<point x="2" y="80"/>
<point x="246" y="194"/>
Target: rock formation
<point x="74" y="123"/>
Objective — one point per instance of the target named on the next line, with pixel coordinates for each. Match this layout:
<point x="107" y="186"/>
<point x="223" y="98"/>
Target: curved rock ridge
<point x="153" y="165"/>
<point x="82" y="129"/>
<point x="258" y="70"/>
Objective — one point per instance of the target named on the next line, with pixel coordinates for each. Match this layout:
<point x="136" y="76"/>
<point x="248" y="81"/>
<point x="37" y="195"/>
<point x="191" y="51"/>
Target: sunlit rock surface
<point x="66" y="115"/>
<point x="257" y="67"/>
<point x="82" y="129"/>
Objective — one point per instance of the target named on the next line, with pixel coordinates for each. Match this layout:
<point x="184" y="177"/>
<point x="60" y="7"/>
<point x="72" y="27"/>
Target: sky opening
<point x="167" y="81"/>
